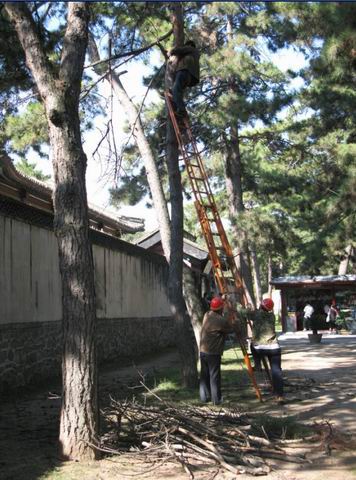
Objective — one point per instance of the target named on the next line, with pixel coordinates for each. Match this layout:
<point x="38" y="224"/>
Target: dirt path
<point x="29" y="423"/>
<point x="329" y="371"/>
<point x="332" y="365"/>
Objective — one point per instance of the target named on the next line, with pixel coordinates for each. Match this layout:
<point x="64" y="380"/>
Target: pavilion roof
<point x="316" y="280"/>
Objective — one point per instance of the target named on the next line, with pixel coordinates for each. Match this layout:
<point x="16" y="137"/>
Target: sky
<point x="98" y="184"/>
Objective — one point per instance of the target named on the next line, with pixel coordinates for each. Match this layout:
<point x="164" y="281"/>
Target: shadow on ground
<point x="29" y="436"/>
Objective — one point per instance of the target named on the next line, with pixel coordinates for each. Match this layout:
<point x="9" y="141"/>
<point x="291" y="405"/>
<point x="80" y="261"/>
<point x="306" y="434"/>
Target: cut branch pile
<point x="191" y="435"/>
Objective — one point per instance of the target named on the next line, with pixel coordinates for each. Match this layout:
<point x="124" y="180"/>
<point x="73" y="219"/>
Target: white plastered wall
<point x="127" y="285"/>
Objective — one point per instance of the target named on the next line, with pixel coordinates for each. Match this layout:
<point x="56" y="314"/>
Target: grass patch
<point x="166" y="384"/>
<point x="71" y="471"/>
<point x="236" y="385"/>
<point x="55" y="474"/>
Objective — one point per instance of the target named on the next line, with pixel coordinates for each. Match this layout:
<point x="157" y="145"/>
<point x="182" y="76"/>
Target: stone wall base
<point x="30" y="353"/>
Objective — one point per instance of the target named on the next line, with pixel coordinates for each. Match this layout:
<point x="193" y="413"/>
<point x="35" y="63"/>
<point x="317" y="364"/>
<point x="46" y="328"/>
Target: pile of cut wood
<point x="193" y="436"/>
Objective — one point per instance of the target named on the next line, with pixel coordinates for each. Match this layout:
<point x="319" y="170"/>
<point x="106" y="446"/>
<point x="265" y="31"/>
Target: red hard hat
<point x="267" y="304"/>
<point x="216" y="303"/>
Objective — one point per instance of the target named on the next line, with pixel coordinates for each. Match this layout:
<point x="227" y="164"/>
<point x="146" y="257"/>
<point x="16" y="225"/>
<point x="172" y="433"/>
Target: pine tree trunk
<point x="183" y="329"/>
<point x="192" y="300"/>
<point x="79" y="412"/>
<point x="193" y="304"/>
<point x="153" y="179"/>
<point x="256" y="275"/>
<point x="60" y="95"/>
<point x="236" y="208"/>
<point x="233" y="173"/>
<point x="269" y="275"/>
<point x="344" y="263"/>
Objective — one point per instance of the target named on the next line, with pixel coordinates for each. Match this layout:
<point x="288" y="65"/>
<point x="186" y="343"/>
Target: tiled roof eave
<point x="39" y="195"/>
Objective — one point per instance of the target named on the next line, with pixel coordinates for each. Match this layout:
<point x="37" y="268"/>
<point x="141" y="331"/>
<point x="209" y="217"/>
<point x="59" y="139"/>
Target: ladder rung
<point x="225" y="270"/>
<point x="189" y="164"/>
<point x="197" y="178"/>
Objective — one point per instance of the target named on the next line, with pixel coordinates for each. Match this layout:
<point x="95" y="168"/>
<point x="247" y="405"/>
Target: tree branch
<point x="141" y="106"/>
<point x="86" y="92"/>
<point x="132" y="53"/>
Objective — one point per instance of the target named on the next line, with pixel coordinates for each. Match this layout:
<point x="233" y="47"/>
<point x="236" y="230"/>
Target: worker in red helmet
<point x="214" y="329"/>
<point x="264" y="344"/>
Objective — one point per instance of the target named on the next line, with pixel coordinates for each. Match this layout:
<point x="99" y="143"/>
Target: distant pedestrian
<point x="331" y="317"/>
<point x="215" y="327"/>
<point x="307" y="317"/>
<point x="187" y="73"/>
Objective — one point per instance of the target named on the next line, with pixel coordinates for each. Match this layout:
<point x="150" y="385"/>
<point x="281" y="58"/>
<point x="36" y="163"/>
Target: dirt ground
<point x="326" y="372"/>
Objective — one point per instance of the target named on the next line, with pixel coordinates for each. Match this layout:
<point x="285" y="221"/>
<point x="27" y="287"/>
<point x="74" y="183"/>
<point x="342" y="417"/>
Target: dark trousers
<point x="181" y="82"/>
<point x="210" y="378"/>
<point x="275" y="360"/>
<point x="307" y="322"/>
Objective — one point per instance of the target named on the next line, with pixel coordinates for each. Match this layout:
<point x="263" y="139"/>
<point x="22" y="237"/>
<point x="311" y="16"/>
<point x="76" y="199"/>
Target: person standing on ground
<point x="331" y="317"/>
<point x="187" y="73"/>
<point x="264" y="343"/>
<point x="308" y="312"/>
<point x="214" y="329"/>
<point x="326" y="311"/>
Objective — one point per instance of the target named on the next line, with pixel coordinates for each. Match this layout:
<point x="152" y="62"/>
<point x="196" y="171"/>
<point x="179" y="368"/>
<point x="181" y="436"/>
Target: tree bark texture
<point x="182" y="323"/>
<point x="256" y="275"/>
<point x="60" y="95"/>
<point x="191" y="297"/>
<point x="233" y="166"/>
<point x="344" y="263"/>
<point x="269" y="275"/>
<point x="193" y="304"/>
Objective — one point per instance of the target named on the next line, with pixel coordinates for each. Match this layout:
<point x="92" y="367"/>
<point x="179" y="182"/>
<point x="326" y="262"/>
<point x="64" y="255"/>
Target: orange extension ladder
<point x="226" y="274"/>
